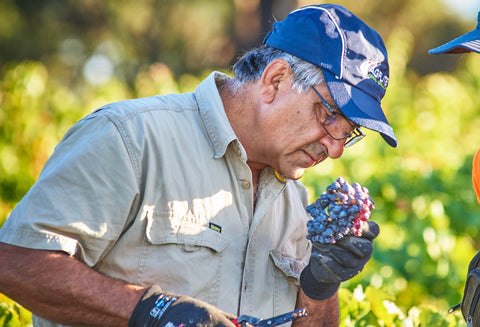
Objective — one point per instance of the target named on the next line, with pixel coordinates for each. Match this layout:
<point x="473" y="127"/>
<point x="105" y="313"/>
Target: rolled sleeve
<point x="81" y="201"/>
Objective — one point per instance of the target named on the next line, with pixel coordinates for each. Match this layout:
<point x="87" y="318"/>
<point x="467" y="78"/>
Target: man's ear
<point x="278" y="71"/>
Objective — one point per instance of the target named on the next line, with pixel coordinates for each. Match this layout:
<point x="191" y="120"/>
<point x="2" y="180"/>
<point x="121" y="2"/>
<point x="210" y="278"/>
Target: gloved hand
<point x="157" y="308"/>
<point x="331" y="264"/>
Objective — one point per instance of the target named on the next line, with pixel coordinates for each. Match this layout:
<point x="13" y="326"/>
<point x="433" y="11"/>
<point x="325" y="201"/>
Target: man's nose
<point x="335" y="147"/>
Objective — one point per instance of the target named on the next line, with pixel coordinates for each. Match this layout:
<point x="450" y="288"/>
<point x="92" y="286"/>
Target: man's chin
<point x="296" y="174"/>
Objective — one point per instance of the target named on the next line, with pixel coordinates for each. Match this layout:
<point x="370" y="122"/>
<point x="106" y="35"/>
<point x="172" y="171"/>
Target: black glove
<point x="331" y="264"/>
<point x="157" y="308"/>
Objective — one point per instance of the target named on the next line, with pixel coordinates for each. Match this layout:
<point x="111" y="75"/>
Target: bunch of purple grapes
<point x="339" y="211"/>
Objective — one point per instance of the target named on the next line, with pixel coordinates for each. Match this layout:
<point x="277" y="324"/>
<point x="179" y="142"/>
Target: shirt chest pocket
<point x="191" y="233"/>
<point x="182" y="254"/>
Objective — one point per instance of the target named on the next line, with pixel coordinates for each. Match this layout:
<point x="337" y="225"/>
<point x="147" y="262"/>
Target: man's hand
<point x="157" y="308"/>
<point x="331" y="264"/>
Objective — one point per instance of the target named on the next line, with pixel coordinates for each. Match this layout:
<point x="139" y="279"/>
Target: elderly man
<point x="186" y="209"/>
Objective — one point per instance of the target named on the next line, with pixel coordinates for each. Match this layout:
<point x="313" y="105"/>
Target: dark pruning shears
<point x="247" y="321"/>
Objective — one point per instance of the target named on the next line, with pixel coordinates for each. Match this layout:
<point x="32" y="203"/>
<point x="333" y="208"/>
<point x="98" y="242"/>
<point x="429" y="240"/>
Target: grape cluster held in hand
<point x="339" y="211"/>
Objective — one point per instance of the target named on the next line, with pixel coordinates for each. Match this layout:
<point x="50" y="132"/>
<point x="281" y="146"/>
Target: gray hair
<point x="251" y="65"/>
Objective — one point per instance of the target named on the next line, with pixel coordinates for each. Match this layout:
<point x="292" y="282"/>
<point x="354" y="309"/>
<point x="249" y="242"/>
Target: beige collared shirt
<point x="157" y="191"/>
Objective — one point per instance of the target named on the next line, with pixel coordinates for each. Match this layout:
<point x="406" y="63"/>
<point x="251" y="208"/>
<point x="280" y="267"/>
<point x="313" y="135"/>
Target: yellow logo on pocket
<point x="215" y="227"/>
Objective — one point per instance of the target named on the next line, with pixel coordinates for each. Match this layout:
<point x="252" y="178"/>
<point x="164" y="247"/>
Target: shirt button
<point x="246" y="184"/>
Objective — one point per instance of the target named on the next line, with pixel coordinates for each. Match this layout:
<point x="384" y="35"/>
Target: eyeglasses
<point x="336" y="124"/>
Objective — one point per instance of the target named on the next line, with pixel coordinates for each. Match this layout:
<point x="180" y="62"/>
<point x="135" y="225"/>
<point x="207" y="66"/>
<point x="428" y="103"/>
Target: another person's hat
<point x="352" y="56"/>
<point x="467" y="42"/>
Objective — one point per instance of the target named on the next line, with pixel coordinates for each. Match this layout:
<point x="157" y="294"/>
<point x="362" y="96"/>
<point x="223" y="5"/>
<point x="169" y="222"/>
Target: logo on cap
<point x="370" y="70"/>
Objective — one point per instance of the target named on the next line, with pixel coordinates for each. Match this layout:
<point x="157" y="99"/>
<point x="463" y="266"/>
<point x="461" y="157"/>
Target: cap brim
<point x="465" y="43"/>
<point x="360" y="107"/>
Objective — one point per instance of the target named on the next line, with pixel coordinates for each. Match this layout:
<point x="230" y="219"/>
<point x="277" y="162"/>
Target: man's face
<point x="295" y="138"/>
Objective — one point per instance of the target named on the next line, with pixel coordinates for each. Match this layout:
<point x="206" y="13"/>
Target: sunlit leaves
<point x="12" y="314"/>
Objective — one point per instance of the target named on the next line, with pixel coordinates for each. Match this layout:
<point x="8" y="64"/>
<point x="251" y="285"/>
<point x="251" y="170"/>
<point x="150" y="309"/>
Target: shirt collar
<point x="213" y="114"/>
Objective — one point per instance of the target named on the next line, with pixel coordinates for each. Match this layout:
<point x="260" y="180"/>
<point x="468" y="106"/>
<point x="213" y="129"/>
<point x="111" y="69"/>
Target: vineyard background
<point x="59" y="60"/>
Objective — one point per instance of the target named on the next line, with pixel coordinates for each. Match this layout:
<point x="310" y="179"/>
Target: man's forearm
<point x="58" y="287"/>
<point x="319" y="312"/>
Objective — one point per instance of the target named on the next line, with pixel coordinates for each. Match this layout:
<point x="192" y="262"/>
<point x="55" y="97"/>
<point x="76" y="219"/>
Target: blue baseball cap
<point x="352" y="56"/>
<point x="467" y="42"/>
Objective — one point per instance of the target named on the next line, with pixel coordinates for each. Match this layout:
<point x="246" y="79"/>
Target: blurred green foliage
<point x="92" y="53"/>
<point x="12" y="314"/>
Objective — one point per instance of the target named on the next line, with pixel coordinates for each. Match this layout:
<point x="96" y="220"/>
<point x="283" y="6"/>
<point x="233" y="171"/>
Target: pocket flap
<point x="291" y="267"/>
<point x="168" y="229"/>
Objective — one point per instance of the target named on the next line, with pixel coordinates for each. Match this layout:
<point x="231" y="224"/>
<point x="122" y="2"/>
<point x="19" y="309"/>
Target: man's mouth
<point x="314" y="158"/>
<point x="316" y="153"/>
<point x="310" y="157"/>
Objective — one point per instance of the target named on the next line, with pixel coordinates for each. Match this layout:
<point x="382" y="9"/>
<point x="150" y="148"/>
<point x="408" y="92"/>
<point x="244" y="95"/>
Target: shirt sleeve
<point x="84" y="197"/>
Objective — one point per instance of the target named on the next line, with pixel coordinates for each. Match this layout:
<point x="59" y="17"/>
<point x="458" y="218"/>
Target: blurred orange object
<point x="476" y="174"/>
